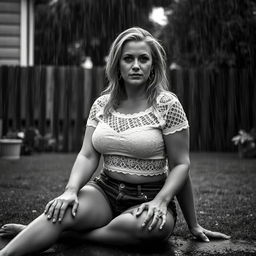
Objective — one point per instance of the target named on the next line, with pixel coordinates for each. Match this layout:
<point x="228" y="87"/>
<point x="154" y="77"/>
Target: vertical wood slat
<point x="42" y="100"/>
<point x="1" y="102"/>
<point x="18" y="100"/>
<point x="66" y="96"/>
<point x="55" y="112"/>
<point x="88" y="87"/>
<point x="5" y="103"/>
<point x="253" y="85"/>
<point x="205" y="110"/>
<point x="23" y="84"/>
<point x="231" y="105"/>
<point x="244" y="95"/>
<point x="29" y="98"/>
<point x="192" y="110"/>
<point x="219" y="110"/>
<point x="78" y="126"/>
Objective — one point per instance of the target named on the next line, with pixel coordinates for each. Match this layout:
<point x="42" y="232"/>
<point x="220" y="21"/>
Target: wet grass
<point x="224" y="187"/>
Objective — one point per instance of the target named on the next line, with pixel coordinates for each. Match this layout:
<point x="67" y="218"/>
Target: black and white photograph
<point x="128" y="127"/>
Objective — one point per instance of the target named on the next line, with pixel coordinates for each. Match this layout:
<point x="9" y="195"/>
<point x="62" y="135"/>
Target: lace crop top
<point x="133" y="143"/>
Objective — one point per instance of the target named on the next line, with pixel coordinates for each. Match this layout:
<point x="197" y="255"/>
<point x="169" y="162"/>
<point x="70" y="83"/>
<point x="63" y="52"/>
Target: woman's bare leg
<point x="11" y="230"/>
<point x="93" y="212"/>
<point x="127" y="229"/>
<point x="124" y="229"/>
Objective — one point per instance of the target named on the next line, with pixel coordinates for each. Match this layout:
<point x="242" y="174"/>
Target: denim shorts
<point x="122" y="195"/>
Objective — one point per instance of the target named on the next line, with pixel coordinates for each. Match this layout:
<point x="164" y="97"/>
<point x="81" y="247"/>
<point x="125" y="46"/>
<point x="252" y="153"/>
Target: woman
<point x="139" y="127"/>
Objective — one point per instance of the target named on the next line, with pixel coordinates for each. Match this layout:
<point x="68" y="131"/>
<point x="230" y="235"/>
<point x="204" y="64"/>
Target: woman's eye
<point x="128" y="59"/>
<point x="144" y="59"/>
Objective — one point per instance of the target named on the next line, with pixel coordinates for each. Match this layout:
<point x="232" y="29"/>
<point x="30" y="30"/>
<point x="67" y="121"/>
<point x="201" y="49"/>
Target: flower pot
<point x="10" y="148"/>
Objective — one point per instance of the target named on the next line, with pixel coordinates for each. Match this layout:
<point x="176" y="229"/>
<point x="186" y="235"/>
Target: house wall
<point x="16" y="32"/>
<point x="10" y="12"/>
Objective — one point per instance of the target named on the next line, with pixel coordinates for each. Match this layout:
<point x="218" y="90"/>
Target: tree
<point x="67" y="31"/>
<point x="212" y="32"/>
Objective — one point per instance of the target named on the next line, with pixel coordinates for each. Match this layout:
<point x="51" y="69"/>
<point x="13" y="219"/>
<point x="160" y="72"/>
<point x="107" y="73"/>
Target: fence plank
<point x="205" y="130"/>
<point x="192" y="109"/>
<point x="56" y="103"/>
<point x="78" y="125"/>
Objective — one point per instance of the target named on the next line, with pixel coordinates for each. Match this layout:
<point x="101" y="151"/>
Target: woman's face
<point x="135" y="63"/>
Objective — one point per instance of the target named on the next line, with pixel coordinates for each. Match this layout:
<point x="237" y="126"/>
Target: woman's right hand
<point x="57" y="207"/>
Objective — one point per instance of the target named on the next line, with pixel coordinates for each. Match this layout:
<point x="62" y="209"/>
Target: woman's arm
<point x="186" y="201"/>
<point x="85" y="165"/>
<point x="177" y="148"/>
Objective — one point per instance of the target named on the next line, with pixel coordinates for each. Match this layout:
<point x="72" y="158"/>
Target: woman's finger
<point x="63" y="211"/>
<point x="56" y="211"/>
<point x="51" y="209"/>
<point x="203" y="237"/>
<point x="216" y="234"/>
<point x="47" y="207"/>
<point x="75" y="207"/>
<point x="140" y="210"/>
<point x="154" y="222"/>
<point x="150" y="214"/>
<point x="163" y="221"/>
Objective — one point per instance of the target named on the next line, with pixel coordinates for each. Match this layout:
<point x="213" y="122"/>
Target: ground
<point x="224" y="187"/>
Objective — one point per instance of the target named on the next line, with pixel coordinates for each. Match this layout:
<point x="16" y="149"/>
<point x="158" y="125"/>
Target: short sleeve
<point x="97" y="110"/>
<point x="92" y="120"/>
<point x="175" y="118"/>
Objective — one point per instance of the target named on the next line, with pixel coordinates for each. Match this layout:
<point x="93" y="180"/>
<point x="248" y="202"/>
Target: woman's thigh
<point x="129" y="223"/>
<point x="93" y="211"/>
<point x="157" y="232"/>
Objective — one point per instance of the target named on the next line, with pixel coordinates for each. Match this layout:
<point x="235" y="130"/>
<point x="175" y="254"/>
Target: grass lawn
<point x="224" y="187"/>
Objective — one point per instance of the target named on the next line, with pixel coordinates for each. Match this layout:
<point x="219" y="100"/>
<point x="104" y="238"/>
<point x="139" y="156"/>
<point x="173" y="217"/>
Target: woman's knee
<point x="144" y="234"/>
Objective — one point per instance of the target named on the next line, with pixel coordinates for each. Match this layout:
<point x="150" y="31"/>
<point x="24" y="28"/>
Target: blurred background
<point x="53" y="53"/>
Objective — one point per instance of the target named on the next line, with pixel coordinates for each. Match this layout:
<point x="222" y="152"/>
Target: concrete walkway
<point x="174" y="247"/>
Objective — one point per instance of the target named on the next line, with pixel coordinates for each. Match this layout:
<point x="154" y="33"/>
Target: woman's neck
<point x="135" y="93"/>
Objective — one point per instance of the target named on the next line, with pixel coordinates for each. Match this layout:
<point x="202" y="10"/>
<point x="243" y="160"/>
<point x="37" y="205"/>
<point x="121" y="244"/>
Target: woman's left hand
<point x="204" y="234"/>
<point x="156" y="211"/>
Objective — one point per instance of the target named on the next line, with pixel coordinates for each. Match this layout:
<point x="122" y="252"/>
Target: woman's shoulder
<point x="102" y="100"/>
<point x="166" y="98"/>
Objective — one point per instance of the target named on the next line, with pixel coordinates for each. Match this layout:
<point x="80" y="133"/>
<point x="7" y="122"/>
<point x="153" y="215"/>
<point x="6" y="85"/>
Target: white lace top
<point x="133" y="143"/>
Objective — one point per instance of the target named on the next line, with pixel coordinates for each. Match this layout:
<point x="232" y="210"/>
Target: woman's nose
<point x="136" y="65"/>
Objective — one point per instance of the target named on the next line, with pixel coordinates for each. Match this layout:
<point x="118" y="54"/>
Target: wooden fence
<point x="57" y="100"/>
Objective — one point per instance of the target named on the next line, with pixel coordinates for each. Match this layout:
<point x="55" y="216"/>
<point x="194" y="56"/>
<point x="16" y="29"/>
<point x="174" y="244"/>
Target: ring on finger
<point x="158" y="215"/>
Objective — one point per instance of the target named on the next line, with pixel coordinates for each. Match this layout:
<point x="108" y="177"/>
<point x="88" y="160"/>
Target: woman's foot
<point x="11" y="230"/>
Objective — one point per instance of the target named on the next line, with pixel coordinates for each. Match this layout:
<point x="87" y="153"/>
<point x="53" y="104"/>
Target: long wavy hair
<point x="157" y="81"/>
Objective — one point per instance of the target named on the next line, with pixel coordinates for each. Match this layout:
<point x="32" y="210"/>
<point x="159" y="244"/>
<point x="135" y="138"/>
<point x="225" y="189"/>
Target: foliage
<point x="243" y="137"/>
<point x="212" y="32"/>
<point x="246" y="143"/>
<point x="67" y="31"/>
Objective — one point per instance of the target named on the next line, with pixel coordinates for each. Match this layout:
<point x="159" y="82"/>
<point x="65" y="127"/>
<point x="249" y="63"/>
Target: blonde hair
<point x="157" y="82"/>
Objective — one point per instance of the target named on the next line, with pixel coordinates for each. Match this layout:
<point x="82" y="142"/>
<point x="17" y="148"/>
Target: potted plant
<point x="246" y="143"/>
<point x="10" y="148"/>
<point x="16" y="143"/>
